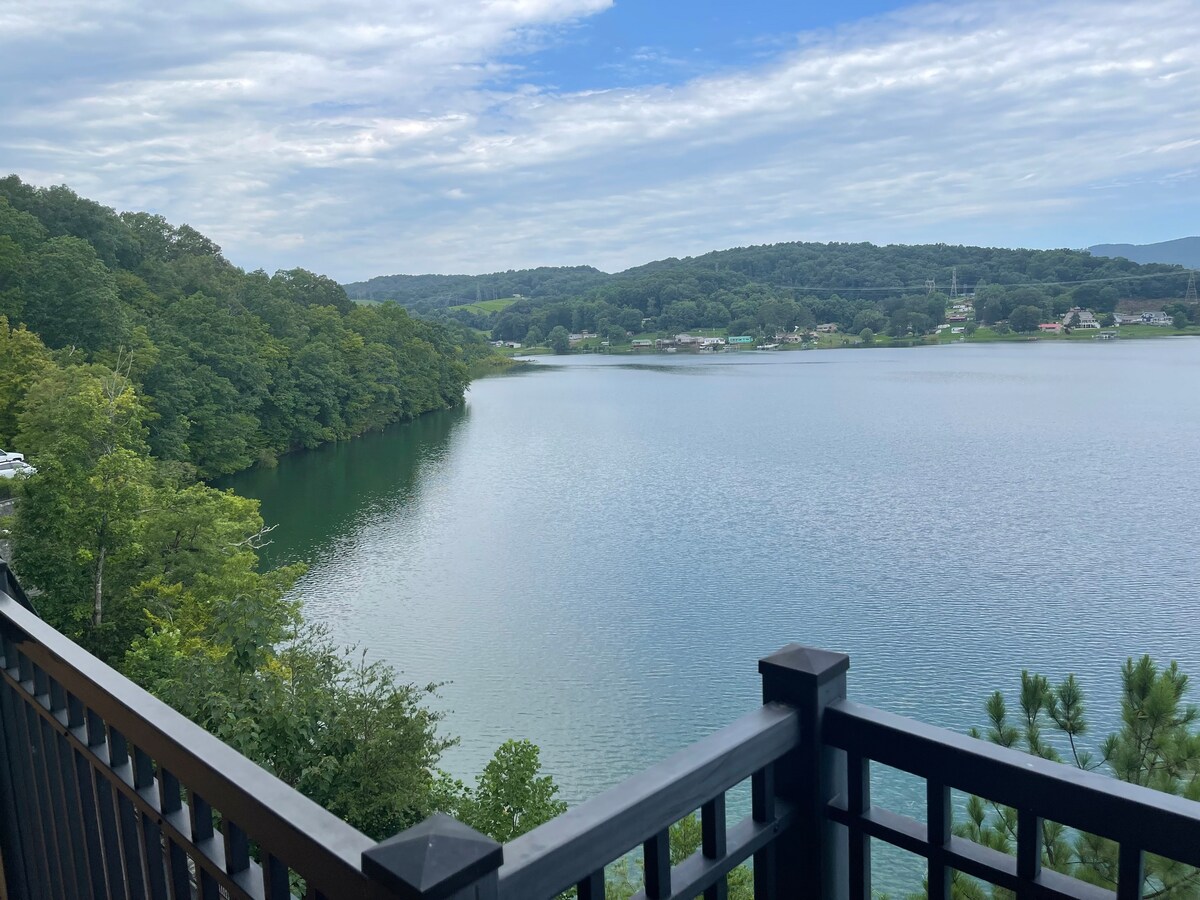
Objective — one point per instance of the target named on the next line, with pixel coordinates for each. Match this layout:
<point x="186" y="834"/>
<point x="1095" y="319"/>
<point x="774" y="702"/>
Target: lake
<point x="594" y="552"/>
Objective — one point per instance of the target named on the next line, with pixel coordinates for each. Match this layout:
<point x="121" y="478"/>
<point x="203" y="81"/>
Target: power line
<point x="930" y="281"/>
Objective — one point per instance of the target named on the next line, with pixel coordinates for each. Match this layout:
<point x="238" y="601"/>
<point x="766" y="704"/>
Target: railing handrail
<point x="1154" y="821"/>
<point x="288" y="824"/>
<point x="587" y="837"/>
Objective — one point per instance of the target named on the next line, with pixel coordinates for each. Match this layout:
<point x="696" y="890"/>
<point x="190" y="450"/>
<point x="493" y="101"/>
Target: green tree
<point x="510" y="797"/>
<point x="78" y="515"/>
<point x="70" y="298"/>
<point x="559" y="340"/>
<point x="533" y="337"/>
<point x="1025" y="318"/>
<point x="867" y="336"/>
<point x="23" y="360"/>
<point x="1157" y="746"/>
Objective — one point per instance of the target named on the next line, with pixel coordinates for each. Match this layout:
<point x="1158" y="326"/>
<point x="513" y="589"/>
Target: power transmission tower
<point x="954" y="283"/>
<point x="930" y="285"/>
<point x="1190" y="296"/>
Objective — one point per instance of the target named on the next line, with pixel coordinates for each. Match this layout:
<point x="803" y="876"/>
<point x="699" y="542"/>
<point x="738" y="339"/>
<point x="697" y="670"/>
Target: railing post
<point x="439" y="859"/>
<point x="811" y="858"/>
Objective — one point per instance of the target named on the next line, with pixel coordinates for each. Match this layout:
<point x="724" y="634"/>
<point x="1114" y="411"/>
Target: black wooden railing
<point x="107" y="793"/>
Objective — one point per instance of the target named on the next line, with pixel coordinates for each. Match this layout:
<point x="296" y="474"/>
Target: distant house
<point x="1158" y="318"/>
<point x="641" y="343"/>
<point x="712" y="342"/>
<point x="513" y="345"/>
<point x="959" y="330"/>
<point x="827" y="328"/>
<point x="741" y="339"/>
<point x="1086" y="319"/>
<point x="1152" y="317"/>
<point x="1051" y="327"/>
<point x="686" y="340"/>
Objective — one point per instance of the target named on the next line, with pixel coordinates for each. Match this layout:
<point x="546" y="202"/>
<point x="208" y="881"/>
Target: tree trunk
<point x="97" y="599"/>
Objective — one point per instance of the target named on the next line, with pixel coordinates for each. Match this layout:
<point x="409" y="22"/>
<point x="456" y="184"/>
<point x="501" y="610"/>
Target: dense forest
<point x="134" y="360"/>
<point x="234" y="367"/>
<point x="899" y="290"/>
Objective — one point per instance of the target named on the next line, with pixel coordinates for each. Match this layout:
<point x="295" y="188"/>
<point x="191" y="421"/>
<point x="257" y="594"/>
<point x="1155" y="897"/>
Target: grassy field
<point x="488" y="306"/>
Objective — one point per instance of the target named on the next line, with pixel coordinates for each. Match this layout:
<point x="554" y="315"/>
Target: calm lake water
<point x="594" y="553"/>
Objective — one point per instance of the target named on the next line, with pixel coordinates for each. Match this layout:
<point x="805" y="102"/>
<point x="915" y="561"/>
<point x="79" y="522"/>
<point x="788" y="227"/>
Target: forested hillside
<point x="134" y="357"/>
<point x="755" y="290"/>
<point x="232" y="366"/>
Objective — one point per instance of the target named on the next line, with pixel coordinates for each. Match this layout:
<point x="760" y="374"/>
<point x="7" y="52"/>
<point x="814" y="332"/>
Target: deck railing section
<point x="109" y="793"/>
<point x="573" y="849"/>
<point x="106" y="793"/>
<point x="1138" y="819"/>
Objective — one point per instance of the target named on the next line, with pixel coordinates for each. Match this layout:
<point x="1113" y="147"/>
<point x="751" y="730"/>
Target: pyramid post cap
<point x="810" y="665"/>
<point x="433" y="859"/>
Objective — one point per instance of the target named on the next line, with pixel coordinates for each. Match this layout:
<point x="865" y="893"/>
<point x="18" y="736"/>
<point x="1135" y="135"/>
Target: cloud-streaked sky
<point x="365" y="138"/>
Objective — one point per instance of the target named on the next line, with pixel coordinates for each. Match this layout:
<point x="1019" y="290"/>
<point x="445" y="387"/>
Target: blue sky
<point x="365" y="138"/>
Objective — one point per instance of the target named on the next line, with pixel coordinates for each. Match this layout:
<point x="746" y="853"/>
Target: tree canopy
<point x="233" y="367"/>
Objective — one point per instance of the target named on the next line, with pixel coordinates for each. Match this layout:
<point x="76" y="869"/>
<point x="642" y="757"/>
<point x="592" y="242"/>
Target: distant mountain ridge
<point x="796" y="270"/>
<point x="1180" y="252"/>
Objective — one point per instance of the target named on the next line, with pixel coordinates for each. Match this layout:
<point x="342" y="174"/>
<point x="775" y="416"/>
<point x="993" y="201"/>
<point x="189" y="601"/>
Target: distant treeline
<point x="756" y="290"/>
<point x="234" y="366"/>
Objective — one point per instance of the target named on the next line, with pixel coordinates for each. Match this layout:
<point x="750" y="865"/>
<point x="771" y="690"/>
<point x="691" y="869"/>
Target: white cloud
<point x="384" y="138"/>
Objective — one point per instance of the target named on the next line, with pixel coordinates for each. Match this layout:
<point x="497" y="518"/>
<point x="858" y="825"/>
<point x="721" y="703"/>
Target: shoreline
<point x="849" y="342"/>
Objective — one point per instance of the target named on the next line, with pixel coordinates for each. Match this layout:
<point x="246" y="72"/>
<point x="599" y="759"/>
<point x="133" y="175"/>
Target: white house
<point x="1086" y="319"/>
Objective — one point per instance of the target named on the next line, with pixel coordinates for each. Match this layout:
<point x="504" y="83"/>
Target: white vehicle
<point x="13" y="464"/>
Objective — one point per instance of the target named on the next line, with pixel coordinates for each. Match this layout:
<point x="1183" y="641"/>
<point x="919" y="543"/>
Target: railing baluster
<point x="110" y="836"/>
<point x="656" y="852"/>
<point x="937" y="812"/>
<point x="152" y="836"/>
<point x="858" y="794"/>
<point x="42" y="801"/>
<point x="64" y="781"/>
<point x="1130" y="871"/>
<point x="170" y="801"/>
<point x="276" y="879"/>
<point x="131" y="845"/>
<point x="202" y="833"/>
<point x="762" y="809"/>
<point x="592" y="887"/>
<point x="713" y="841"/>
<point x="237" y="849"/>
<point x="22" y="875"/>
<point x="88" y="812"/>
<point x="1029" y="851"/>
